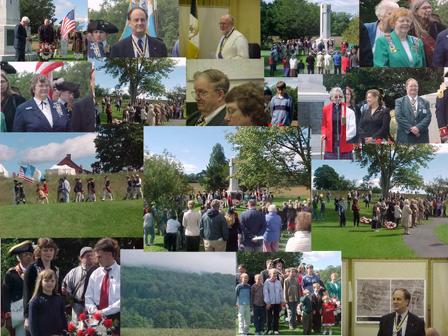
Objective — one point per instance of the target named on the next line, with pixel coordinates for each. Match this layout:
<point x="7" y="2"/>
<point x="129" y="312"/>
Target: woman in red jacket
<point x="335" y="119"/>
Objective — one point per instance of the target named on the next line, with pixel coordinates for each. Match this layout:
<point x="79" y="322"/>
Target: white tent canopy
<point x="61" y="170"/>
<point x="3" y="171"/>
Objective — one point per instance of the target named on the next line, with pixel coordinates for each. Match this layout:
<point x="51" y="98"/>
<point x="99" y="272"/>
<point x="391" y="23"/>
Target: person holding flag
<point x="139" y="43"/>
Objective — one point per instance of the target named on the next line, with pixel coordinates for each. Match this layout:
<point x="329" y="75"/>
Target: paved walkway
<point x="424" y="242"/>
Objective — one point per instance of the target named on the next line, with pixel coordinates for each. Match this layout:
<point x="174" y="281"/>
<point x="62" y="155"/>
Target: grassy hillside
<point x="175" y="332"/>
<point x="118" y="184"/>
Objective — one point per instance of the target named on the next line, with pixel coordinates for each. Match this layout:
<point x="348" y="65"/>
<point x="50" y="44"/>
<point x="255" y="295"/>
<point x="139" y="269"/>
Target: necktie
<point x="201" y="122"/>
<point x="398" y="323"/>
<point x="414" y="109"/>
<point x="42" y="105"/>
<point x="140" y="45"/>
<point x="101" y="47"/>
<point x="104" y="293"/>
<point x="220" y="47"/>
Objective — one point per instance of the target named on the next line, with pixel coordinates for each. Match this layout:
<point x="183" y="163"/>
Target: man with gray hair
<point x="213" y="229"/>
<point x="20" y="38"/>
<point x="210" y="89"/>
<point x="74" y="282"/>
<point x="233" y="44"/>
<point x="253" y="226"/>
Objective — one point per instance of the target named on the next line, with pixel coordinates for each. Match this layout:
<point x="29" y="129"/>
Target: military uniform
<point x="100" y="49"/>
<point x="442" y="113"/>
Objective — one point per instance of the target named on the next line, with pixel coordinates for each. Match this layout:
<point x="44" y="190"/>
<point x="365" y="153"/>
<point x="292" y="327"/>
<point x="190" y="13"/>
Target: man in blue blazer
<point x="413" y="116"/>
<point x="440" y="57"/>
<point x="40" y="114"/>
<point x="20" y="37"/>
<point x="139" y="44"/>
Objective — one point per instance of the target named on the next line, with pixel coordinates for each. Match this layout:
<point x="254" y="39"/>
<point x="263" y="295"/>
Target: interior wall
<point x="439" y="302"/>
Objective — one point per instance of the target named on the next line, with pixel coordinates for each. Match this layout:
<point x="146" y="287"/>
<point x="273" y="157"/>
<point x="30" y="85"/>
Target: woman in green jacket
<point x="398" y="49"/>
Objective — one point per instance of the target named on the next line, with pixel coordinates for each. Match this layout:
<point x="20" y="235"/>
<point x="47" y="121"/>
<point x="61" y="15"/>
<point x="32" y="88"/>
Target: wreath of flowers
<point x="95" y="325"/>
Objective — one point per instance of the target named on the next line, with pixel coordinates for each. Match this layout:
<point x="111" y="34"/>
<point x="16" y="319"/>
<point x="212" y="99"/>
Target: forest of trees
<point x="164" y="298"/>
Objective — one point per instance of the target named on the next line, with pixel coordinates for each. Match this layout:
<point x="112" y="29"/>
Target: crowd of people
<point x="304" y="55"/>
<point x="142" y="111"/>
<point x="296" y="293"/>
<point x="37" y="299"/>
<point x="52" y="107"/>
<point x="214" y="219"/>
<point x="346" y="121"/>
<point x="388" y="212"/>
<point x="76" y="188"/>
<point x="404" y="37"/>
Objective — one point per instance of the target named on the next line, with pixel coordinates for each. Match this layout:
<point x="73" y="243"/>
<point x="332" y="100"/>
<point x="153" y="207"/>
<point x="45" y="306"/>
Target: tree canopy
<point x="164" y="180"/>
<point x="256" y="262"/>
<point x="119" y="147"/>
<point x="143" y="75"/>
<point x="326" y="178"/>
<point x="164" y="298"/>
<point x="272" y="157"/>
<point x="396" y="165"/>
<point x="37" y="11"/>
<point x="217" y="172"/>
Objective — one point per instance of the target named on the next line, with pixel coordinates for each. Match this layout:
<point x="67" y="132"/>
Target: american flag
<point x="68" y="24"/>
<point x="27" y="173"/>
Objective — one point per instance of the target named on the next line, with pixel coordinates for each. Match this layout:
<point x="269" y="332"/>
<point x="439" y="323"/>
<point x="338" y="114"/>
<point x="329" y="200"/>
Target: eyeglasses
<point x="199" y="94"/>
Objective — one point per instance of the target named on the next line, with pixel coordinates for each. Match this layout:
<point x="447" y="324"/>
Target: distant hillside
<point x="118" y="184"/>
<point x="161" y="298"/>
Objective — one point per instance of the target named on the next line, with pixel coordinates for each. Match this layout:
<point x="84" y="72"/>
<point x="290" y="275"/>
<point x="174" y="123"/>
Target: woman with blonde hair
<point x="375" y="119"/>
<point x="46" y="308"/>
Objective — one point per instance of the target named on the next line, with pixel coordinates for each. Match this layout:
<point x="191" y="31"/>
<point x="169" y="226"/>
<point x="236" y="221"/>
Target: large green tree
<point x="351" y="32"/>
<point x="217" y="172"/>
<point x="143" y="75"/>
<point x="272" y="157"/>
<point x="326" y="178"/>
<point x="164" y="180"/>
<point x="339" y="22"/>
<point x="256" y="262"/>
<point x="119" y="147"/>
<point x="396" y="165"/>
<point x="37" y="11"/>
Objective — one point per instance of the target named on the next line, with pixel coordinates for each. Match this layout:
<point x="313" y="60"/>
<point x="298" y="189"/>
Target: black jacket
<point x="124" y="48"/>
<point x="415" y="325"/>
<point x="19" y="37"/>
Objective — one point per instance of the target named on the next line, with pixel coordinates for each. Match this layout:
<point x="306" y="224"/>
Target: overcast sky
<point x="210" y="262"/>
<point x="347" y="6"/>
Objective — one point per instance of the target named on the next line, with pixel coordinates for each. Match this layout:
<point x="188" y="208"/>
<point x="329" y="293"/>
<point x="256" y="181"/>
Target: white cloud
<point x="442" y="149"/>
<point x="189" y="168"/>
<point x="6" y="152"/>
<point x="181" y="61"/>
<point x="95" y="4"/>
<point x="79" y="147"/>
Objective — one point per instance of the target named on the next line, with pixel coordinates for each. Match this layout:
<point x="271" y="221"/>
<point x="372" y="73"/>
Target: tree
<point x="177" y="95"/>
<point x="351" y="32"/>
<point x="143" y="75"/>
<point x="272" y="157"/>
<point x="119" y="147"/>
<point x="396" y="165"/>
<point x="77" y="72"/>
<point x="437" y="187"/>
<point x="164" y="180"/>
<point x="256" y="262"/>
<point x="339" y="22"/>
<point x="217" y="171"/>
<point x="37" y="11"/>
<point x="326" y="178"/>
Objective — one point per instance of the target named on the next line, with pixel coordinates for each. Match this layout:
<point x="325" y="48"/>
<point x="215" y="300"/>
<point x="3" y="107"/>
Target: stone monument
<point x="325" y="21"/>
<point x="9" y="17"/>
<point x="233" y="181"/>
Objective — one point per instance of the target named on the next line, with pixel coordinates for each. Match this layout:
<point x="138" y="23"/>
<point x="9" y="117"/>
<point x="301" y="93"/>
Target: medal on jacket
<point x="140" y="51"/>
<point x="398" y="327"/>
<point x="96" y="49"/>
<point x="57" y="106"/>
<point x="391" y="44"/>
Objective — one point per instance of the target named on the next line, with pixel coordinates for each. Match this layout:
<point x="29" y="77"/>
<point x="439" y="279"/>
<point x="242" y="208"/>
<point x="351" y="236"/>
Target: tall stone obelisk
<point x="9" y="17"/>
<point x="233" y="181"/>
<point x="325" y="21"/>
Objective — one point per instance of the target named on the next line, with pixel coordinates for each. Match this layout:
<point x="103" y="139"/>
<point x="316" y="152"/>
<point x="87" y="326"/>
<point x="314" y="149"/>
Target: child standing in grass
<point x="259" y="307"/>
<point x="243" y="301"/>
<point x="328" y="318"/>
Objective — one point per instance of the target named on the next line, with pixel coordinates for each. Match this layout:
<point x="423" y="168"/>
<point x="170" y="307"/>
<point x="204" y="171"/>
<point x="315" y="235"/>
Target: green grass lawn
<point x="58" y="220"/>
<point x="357" y="242"/>
<point x="175" y="332"/>
<point x="441" y="233"/>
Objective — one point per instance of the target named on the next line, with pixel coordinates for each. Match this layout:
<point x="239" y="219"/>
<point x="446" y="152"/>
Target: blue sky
<point x="176" y="78"/>
<point x="190" y="145"/>
<point x="348" y="6"/>
<point x="322" y="259"/>
<point x="64" y="6"/>
<point x="352" y="171"/>
<point x="46" y="150"/>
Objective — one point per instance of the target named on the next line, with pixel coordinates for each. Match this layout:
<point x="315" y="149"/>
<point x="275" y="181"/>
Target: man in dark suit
<point x="440" y="57"/>
<point x="253" y="224"/>
<point x="84" y="111"/>
<point x="442" y="109"/>
<point x="401" y="322"/>
<point x="139" y="44"/>
<point x="40" y="114"/>
<point x="413" y="116"/>
<point x="210" y="89"/>
<point x="20" y="38"/>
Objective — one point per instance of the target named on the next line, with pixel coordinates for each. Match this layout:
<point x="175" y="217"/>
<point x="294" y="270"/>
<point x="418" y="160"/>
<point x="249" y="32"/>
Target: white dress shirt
<point x="213" y="114"/>
<point x="191" y="222"/>
<point x="46" y="109"/>
<point x="405" y="323"/>
<point x="93" y="292"/>
<point x="145" y="43"/>
<point x="234" y="45"/>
